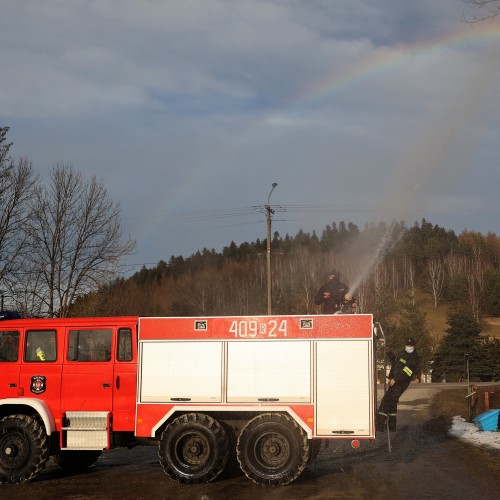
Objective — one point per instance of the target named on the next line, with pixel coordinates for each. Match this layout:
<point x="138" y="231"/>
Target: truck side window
<point x="9" y="345"/>
<point x="124" y="345"/>
<point x="40" y="346"/>
<point x="89" y="345"/>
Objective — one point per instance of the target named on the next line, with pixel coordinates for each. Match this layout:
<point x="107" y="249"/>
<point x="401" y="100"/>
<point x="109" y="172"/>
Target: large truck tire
<point x="272" y="449"/>
<point x="23" y="448"/>
<point x="74" y="461"/>
<point x="193" y="448"/>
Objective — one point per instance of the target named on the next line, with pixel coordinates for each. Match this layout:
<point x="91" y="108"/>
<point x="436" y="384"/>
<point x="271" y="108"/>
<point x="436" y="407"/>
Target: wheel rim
<point x="13" y="450"/>
<point x="192" y="449"/>
<point x="271" y="450"/>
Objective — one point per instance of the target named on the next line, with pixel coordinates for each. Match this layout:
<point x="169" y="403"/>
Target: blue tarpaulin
<point x="487" y="421"/>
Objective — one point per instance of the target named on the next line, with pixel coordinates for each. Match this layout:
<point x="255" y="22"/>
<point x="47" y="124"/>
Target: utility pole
<point x="269" y="211"/>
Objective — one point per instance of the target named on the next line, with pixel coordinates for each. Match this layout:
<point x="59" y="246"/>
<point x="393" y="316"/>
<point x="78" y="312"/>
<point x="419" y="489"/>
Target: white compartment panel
<point x="344" y="388"/>
<point x="269" y="371"/>
<point x="181" y="372"/>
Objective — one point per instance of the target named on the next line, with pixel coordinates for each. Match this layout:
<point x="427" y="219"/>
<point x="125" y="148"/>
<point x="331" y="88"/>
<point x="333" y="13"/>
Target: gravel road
<point x="422" y="463"/>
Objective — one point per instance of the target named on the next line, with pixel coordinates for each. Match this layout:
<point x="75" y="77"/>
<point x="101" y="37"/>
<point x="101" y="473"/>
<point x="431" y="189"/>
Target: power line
<point x="333" y="208"/>
<point x="214" y="214"/>
<point x="200" y="215"/>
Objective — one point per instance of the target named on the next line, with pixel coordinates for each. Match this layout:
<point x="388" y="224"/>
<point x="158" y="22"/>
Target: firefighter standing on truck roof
<point x="332" y="294"/>
<point x="402" y="371"/>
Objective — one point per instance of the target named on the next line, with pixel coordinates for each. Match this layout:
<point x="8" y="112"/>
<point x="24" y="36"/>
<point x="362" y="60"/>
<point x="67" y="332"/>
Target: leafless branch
<point x="481" y="10"/>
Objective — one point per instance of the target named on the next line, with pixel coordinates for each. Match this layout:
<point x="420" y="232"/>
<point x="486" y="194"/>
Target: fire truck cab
<point x="266" y="389"/>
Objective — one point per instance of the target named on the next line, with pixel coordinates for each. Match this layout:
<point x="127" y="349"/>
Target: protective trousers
<point x="389" y="406"/>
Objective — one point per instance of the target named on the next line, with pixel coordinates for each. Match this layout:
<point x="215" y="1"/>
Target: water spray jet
<point x="387" y="242"/>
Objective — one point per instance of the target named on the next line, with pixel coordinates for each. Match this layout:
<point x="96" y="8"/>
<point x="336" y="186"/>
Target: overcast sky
<point x="189" y="110"/>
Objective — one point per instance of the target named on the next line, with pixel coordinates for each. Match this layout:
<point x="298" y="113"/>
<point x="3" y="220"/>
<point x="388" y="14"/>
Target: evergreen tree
<point x="492" y="292"/>
<point x="412" y="323"/>
<point x="462" y="340"/>
<point x="457" y="289"/>
<point x="490" y="360"/>
<point x="383" y="303"/>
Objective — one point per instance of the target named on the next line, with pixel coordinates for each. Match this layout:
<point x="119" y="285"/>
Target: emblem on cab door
<point x="37" y="384"/>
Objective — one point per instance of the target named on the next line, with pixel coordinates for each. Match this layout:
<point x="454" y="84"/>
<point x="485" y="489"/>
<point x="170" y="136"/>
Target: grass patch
<point x="449" y="403"/>
<point x="445" y="405"/>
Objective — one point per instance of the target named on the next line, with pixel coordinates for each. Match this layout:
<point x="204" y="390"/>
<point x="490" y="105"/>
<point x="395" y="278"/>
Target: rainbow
<point x="380" y="60"/>
<point x="385" y="59"/>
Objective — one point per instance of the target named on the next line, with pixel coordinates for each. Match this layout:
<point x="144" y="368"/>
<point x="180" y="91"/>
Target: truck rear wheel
<point x="272" y="449"/>
<point x="75" y="460"/>
<point x="193" y="449"/>
<point x="23" y="448"/>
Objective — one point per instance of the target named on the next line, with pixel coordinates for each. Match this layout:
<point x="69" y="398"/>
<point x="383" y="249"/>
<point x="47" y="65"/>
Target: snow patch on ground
<point x="467" y="431"/>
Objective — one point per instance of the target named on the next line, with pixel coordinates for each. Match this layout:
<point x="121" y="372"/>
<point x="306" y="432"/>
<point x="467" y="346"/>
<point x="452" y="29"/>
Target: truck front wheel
<point x="23" y="448"/>
<point x="193" y="448"/>
<point x="272" y="449"/>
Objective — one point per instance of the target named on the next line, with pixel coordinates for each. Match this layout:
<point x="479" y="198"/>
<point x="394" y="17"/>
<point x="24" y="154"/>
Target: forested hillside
<point x="385" y="265"/>
<point x="410" y="278"/>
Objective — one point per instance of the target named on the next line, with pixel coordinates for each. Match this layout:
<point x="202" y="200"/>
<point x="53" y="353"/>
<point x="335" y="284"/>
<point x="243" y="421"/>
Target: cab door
<point x="125" y="379"/>
<point x="40" y="374"/>
<point x="9" y="363"/>
<point x="87" y="382"/>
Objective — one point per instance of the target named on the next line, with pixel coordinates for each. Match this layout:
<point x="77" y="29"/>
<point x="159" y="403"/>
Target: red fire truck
<point x="266" y="389"/>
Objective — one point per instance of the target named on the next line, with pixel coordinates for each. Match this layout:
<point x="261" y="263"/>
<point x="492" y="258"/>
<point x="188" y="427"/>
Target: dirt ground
<point x="423" y="463"/>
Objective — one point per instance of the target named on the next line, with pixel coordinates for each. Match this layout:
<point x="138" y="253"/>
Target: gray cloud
<point x="373" y="109"/>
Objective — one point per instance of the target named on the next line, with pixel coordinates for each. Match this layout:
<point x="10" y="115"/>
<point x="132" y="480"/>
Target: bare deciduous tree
<point x="362" y="296"/>
<point x="473" y="289"/>
<point x="481" y="10"/>
<point x="435" y="278"/>
<point x="409" y="277"/>
<point x="17" y="183"/>
<point x="76" y="238"/>
<point x="479" y="264"/>
<point x="16" y="187"/>
<point x="306" y="270"/>
<point x="456" y="265"/>
<point x="394" y="278"/>
<point x="4" y="146"/>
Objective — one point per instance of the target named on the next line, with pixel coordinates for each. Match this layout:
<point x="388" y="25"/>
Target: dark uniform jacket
<point x="404" y="367"/>
<point x="337" y="291"/>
